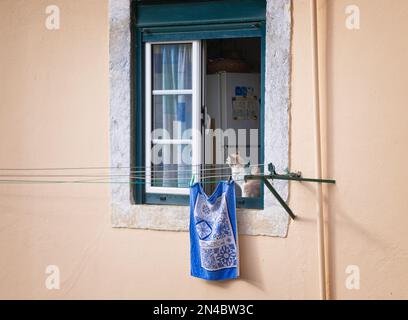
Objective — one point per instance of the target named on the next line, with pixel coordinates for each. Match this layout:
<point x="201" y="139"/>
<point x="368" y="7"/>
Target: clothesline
<point x="97" y="182"/>
<point x="132" y="176"/>
<point x="219" y="167"/>
<point x="101" y="175"/>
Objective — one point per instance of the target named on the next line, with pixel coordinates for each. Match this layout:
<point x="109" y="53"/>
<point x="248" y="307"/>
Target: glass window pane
<point x="171" y="166"/>
<point x="172" y="66"/>
<point x="172" y="114"/>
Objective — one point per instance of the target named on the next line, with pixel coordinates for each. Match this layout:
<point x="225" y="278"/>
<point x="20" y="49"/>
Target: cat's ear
<point x="239" y="160"/>
<point x="230" y="158"/>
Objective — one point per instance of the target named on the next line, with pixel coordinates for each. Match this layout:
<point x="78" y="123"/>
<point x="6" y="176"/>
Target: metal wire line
<point x="93" y="181"/>
<point x="219" y="167"/>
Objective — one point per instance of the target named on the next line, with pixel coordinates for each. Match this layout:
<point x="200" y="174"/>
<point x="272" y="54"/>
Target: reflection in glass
<point x="171" y="166"/>
<point x="172" y="66"/>
<point x="172" y="113"/>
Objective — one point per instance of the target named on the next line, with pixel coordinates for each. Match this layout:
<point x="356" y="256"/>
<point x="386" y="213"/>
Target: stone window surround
<point x="272" y="220"/>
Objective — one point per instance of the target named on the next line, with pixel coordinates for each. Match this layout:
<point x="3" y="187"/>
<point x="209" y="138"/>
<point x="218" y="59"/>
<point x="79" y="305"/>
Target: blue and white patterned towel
<point x="213" y="233"/>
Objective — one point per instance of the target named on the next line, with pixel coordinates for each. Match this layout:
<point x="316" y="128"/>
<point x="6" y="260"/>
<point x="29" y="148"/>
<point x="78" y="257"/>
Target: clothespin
<point x="192" y="180"/>
<point x="271" y="168"/>
<point x="229" y="178"/>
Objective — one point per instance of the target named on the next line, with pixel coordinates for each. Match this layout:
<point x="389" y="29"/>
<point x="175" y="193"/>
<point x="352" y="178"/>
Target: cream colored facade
<point x="54" y="111"/>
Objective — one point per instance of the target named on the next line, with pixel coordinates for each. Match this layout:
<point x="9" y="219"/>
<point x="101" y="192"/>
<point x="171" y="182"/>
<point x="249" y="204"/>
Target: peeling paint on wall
<point x="273" y="220"/>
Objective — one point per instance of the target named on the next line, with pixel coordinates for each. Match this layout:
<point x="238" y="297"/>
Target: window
<point x="173" y="115"/>
<point x="192" y="77"/>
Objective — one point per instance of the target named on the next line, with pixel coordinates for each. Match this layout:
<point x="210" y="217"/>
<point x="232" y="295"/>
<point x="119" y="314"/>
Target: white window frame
<point x="195" y="92"/>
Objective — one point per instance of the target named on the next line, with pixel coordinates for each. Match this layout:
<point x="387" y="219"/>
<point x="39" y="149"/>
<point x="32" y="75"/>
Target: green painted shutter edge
<point x="137" y="131"/>
<point x="200" y="32"/>
<point x="167" y="199"/>
<point x="199" y="12"/>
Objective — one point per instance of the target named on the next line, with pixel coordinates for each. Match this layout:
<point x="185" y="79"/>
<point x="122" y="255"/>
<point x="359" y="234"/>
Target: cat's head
<point x="235" y="160"/>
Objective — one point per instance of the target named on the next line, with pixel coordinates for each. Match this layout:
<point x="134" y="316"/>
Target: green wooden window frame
<point x="178" y="21"/>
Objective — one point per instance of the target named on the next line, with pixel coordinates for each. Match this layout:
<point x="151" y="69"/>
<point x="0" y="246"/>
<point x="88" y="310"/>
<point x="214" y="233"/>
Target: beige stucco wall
<point x="54" y="112"/>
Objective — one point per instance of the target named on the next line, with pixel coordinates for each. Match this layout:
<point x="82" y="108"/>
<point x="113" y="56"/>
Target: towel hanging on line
<point x="214" y="251"/>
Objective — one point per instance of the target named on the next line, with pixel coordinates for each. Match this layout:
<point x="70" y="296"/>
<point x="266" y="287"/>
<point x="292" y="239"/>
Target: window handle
<point x="163" y="198"/>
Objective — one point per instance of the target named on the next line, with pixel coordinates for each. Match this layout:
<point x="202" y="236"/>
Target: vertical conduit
<point x="318" y="150"/>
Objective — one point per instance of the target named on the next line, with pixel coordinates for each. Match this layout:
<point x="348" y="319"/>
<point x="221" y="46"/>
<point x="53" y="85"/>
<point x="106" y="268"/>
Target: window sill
<point x="176" y="200"/>
<point x="270" y="222"/>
